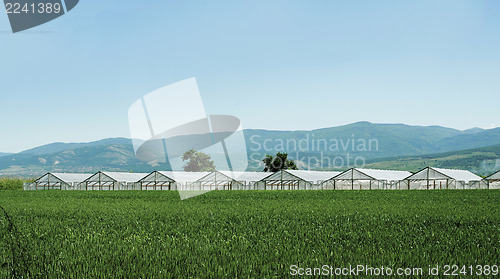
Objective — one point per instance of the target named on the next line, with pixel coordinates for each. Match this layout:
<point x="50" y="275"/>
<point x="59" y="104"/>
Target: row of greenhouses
<point x="429" y="178"/>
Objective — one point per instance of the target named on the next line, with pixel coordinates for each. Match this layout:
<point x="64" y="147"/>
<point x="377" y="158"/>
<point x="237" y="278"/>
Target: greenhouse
<point x="493" y="181"/>
<point x="316" y="177"/>
<point x="217" y="180"/>
<point x="365" y="179"/>
<point x="157" y="181"/>
<point x="185" y="180"/>
<point x="431" y="178"/>
<point x="296" y="180"/>
<point x="248" y="180"/>
<point x="112" y="181"/>
<point x="171" y="180"/>
<point x="56" y="181"/>
<point x="352" y="179"/>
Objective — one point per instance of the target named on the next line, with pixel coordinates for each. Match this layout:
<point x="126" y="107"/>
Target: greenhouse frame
<point x="217" y="180"/>
<point x="108" y="181"/>
<point x="493" y="181"/>
<point x="186" y="180"/>
<point x="171" y="180"/>
<point x="157" y="180"/>
<point x="365" y="179"/>
<point x="428" y="178"/>
<point x="316" y="177"/>
<point x="248" y="180"/>
<point x="56" y="181"/>
<point x="296" y="180"/>
<point x="431" y="178"/>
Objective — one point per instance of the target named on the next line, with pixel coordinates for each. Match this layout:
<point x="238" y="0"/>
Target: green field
<point x="244" y="234"/>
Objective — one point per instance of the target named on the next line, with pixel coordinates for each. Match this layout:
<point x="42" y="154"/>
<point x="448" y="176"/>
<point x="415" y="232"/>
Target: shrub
<point x="11" y="183"/>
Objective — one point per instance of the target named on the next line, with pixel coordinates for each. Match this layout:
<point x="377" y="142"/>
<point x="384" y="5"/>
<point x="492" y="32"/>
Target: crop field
<point x="242" y="234"/>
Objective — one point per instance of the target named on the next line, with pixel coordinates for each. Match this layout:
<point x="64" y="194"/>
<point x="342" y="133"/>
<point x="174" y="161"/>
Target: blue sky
<point x="322" y="63"/>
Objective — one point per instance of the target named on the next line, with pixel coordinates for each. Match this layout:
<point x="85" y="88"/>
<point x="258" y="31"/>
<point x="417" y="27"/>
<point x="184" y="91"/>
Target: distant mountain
<point x="483" y="161"/>
<point x="473" y="130"/>
<point x="387" y="139"/>
<point x="60" y="146"/>
<point x="90" y="159"/>
<point x="4" y="154"/>
<point x="363" y="139"/>
<point x="468" y="141"/>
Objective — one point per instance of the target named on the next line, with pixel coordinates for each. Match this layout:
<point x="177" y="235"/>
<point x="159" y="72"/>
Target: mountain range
<point x="375" y="143"/>
<point x="482" y="161"/>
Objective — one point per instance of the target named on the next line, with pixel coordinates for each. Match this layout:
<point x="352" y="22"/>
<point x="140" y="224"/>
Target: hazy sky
<point x="283" y="65"/>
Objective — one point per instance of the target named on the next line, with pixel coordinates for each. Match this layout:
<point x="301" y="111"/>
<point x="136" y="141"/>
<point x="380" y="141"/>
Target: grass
<point x="250" y="234"/>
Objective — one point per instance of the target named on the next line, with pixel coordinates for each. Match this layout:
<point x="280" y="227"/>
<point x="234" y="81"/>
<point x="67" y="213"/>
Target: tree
<point x="281" y="162"/>
<point x="198" y="161"/>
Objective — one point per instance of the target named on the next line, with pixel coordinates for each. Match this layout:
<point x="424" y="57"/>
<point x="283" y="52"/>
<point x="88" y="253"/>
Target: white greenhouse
<point x="57" y="181"/>
<point x="248" y="180"/>
<point x="157" y="180"/>
<point x="493" y="181"/>
<point x="112" y="181"/>
<point x="365" y="179"/>
<point x="170" y="180"/>
<point x="217" y="180"/>
<point x="431" y="178"/>
<point x="185" y="180"/>
<point x="352" y="179"/>
<point x="296" y="180"/>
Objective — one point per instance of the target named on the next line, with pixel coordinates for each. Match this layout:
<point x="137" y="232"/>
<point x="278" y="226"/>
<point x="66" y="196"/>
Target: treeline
<point x="12" y="183"/>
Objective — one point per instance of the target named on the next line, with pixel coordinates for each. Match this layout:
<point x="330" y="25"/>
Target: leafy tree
<point x="198" y="161"/>
<point x="280" y="162"/>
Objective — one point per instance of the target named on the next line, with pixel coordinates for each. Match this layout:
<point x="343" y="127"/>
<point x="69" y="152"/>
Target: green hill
<point x="90" y="159"/>
<point x="61" y="146"/>
<point x="392" y="139"/>
<point x="468" y="141"/>
<point x="482" y="161"/>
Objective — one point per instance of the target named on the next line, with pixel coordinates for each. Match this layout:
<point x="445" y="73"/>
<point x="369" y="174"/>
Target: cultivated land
<point x="254" y="234"/>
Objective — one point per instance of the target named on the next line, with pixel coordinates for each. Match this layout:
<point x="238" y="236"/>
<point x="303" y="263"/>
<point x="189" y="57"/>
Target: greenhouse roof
<point x="460" y="175"/>
<point x="125" y="176"/>
<point x="216" y="176"/>
<point x="184" y="176"/>
<point x="313" y="175"/>
<point x="156" y="177"/>
<point x="388" y="175"/>
<point x="66" y="177"/>
<point x="246" y="175"/>
<point x="494" y="176"/>
<point x="438" y="173"/>
<point x="372" y="174"/>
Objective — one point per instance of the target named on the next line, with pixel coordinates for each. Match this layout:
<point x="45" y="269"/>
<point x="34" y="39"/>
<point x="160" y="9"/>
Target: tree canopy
<point x="280" y="162"/>
<point x="197" y="161"/>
